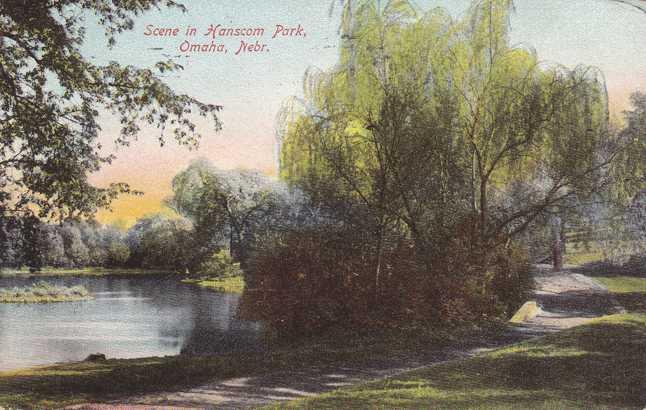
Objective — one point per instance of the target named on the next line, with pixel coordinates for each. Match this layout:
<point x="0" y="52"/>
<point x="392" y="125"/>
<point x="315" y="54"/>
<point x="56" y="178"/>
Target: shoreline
<point x="73" y="383"/>
<point x="43" y="300"/>
<point x="233" y="284"/>
<point x="81" y="272"/>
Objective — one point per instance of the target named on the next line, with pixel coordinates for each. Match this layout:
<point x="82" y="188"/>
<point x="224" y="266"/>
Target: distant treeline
<point x="28" y="242"/>
<point x="153" y="242"/>
<point x="222" y="218"/>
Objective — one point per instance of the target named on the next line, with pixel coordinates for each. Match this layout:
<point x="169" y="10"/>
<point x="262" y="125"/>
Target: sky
<point x="251" y="86"/>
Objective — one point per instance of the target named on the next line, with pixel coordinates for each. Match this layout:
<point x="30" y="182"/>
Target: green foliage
<point x="158" y="242"/>
<point x="76" y="251"/>
<point x="43" y="292"/>
<point x="227" y="208"/>
<point x="440" y="135"/>
<point x="631" y="168"/>
<point x="52" y="96"/>
<point x="230" y="284"/>
<point x="308" y="281"/>
<point x="117" y="254"/>
<point x="51" y="247"/>
<point x="72" y="244"/>
<point x="219" y="265"/>
<point x="430" y="117"/>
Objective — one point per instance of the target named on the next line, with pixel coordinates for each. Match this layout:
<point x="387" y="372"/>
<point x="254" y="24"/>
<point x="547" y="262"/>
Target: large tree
<point x="158" y="242"/>
<point x="233" y="207"/>
<point x="434" y="122"/>
<point x="51" y="97"/>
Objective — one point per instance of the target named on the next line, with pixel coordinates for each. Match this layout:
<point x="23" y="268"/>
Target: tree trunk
<point x="474" y="206"/>
<point x="483" y="209"/>
<point x="234" y="244"/>
<point x="563" y="238"/>
<point x="378" y="270"/>
<point x="557" y="256"/>
<point x="557" y="245"/>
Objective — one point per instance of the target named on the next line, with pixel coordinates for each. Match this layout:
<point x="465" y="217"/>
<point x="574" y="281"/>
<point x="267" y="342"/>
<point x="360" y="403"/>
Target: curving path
<point x="566" y="299"/>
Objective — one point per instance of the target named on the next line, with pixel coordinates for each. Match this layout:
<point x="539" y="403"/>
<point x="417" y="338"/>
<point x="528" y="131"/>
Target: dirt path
<point x="274" y="386"/>
<point x="566" y="299"/>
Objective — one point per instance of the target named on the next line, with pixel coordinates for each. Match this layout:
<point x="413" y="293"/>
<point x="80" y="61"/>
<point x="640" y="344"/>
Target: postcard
<point x="339" y="204"/>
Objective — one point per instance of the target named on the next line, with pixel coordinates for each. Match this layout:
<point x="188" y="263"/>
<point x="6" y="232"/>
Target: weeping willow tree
<point x="537" y="134"/>
<point x="436" y="125"/>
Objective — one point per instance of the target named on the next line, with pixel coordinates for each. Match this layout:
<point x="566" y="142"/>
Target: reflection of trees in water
<point x="216" y="326"/>
<point x="204" y="322"/>
<point x="39" y="351"/>
<point x="161" y="310"/>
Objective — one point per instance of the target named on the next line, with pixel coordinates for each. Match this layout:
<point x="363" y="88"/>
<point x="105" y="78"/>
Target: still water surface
<point x="130" y="317"/>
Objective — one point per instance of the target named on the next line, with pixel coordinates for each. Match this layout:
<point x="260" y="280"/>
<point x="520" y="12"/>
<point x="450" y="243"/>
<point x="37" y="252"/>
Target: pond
<point x="129" y="317"/>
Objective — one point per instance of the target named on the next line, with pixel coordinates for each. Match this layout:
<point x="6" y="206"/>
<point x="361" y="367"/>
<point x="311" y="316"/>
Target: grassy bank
<point x="234" y="284"/>
<point x="43" y="292"/>
<point x="599" y="365"/>
<point x="629" y="291"/>
<point x="92" y="271"/>
<point x="582" y="253"/>
<point x="60" y="385"/>
<point x="623" y="284"/>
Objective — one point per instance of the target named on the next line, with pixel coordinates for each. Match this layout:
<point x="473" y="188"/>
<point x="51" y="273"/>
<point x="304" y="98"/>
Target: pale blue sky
<point x="603" y="33"/>
<point x="251" y="87"/>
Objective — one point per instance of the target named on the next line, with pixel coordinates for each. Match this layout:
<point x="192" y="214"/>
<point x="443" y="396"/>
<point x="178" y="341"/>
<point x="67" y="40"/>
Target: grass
<point x="233" y="284"/>
<point x="583" y="257"/>
<point x="73" y="383"/>
<point x="598" y="365"/>
<point x="66" y="384"/>
<point x="629" y="291"/>
<point x="623" y="284"/>
<point x="581" y="253"/>
<point x="43" y="292"/>
<point x="91" y="271"/>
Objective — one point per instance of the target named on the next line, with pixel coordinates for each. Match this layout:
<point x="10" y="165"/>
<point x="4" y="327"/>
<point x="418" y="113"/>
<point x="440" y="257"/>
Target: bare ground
<point x="566" y="300"/>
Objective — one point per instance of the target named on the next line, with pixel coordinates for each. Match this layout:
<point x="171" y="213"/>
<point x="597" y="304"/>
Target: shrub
<point x="117" y="254"/>
<point x="511" y="281"/>
<point x="220" y="264"/>
<point x="307" y="280"/>
<point x="43" y="292"/>
<point x="311" y="279"/>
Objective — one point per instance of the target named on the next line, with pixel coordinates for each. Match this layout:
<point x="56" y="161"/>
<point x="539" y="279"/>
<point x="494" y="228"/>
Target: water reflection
<point x="129" y="317"/>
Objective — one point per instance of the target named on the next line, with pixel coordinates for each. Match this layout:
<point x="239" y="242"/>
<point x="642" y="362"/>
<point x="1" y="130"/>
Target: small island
<point x="44" y="292"/>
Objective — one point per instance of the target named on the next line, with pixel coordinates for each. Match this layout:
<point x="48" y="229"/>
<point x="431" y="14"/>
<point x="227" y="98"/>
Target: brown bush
<point x="308" y="280"/>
